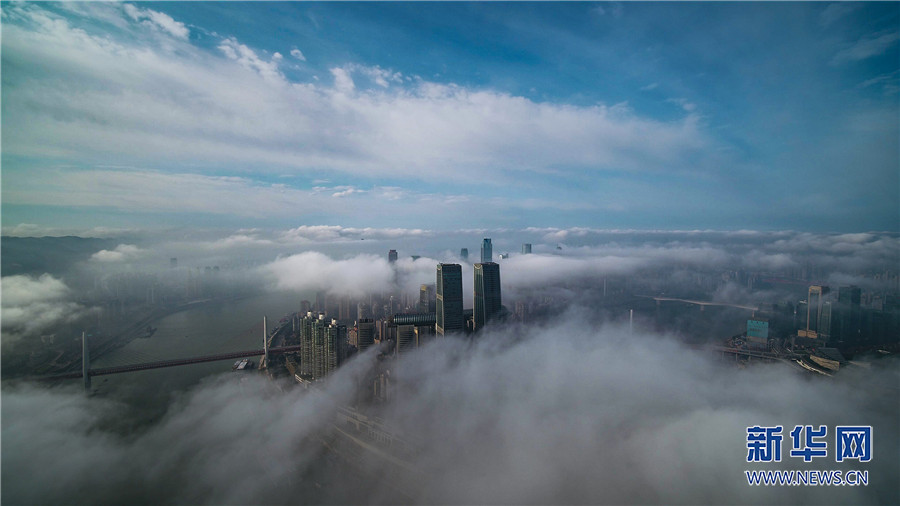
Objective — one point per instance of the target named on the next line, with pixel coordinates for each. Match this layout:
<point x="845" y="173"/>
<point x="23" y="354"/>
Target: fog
<point x="346" y="261"/>
<point x="567" y="412"/>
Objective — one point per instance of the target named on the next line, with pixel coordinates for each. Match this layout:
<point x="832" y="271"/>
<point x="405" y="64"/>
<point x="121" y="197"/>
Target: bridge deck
<point x="171" y="363"/>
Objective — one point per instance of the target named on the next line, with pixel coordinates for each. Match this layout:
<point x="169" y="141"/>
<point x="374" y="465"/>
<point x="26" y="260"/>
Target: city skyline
<point x="694" y="207"/>
<point x="747" y="116"/>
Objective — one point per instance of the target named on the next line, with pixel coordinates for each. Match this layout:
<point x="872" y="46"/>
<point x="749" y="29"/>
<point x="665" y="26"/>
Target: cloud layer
<point x="35" y="304"/>
<point x="556" y="414"/>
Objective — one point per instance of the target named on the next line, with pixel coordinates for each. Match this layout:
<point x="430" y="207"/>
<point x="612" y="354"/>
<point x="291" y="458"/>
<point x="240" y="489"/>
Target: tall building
<point x="335" y="346"/>
<point x="307" y="324"/>
<point x="758" y="333"/>
<point x="406" y="339"/>
<point x="814" y="303"/>
<point x="449" y="299"/>
<point x="392" y="256"/>
<point x="323" y="345"/>
<point x="848" y="318"/>
<point x="365" y="334"/>
<point x="487" y="293"/>
<point x="486" y="251"/>
<point x="426" y="299"/>
<point x="526" y="248"/>
<point x="464" y="254"/>
<point x="173" y="262"/>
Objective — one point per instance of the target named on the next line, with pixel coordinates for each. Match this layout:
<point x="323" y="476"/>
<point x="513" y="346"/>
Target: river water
<point x="204" y="330"/>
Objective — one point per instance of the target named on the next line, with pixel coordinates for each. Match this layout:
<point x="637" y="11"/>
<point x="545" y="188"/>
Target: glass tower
<point x="486" y="251"/>
<point x="449" y="307"/>
<point x="487" y="293"/>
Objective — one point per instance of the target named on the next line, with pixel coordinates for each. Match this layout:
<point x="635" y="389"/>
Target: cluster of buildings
<point x="327" y="341"/>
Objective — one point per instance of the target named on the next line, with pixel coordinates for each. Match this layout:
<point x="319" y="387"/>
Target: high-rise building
<point x="335" y="346"/>
<point x="758" y="333"/>
<point x="392" y="256"/>
<point x="406" y="339"/>
<point x="449" y="299"/>
<point x="365" y="334"/>
<point x="323" y="345"/>
<point x="464" y="254"/>
<point x="848" y="318"/>
<point x="487" y="293"/>
<point x="814" y="303"/>
<point x="173" y="262"/>
<point x="426" y="299"/>
<point x="526" y="248"/>
<point x="307" y="324"/>
<point x="486" y="251"/>
<point x="363" y="311"/>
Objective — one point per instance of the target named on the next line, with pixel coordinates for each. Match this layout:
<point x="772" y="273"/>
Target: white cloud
<point x="158" y="20"/>
<point x="148" y="103"/>
<point x="122" y="253"/>
<point x="312" y="271"/>
<point x="346" y="191"/>
<point x="343" y="82"/>
<point x="248" y="59"/>
<point x="866" y="47"/>
<point x="332" y="233"/>
<point x="31" y="305"/>
<point x="296" y="53"/>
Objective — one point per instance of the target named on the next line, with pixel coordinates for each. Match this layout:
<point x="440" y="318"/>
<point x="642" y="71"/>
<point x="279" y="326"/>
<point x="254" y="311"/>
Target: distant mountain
<point x="54" y="255"/>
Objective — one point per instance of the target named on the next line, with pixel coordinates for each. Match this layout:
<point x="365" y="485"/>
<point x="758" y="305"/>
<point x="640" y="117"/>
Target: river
<point x="207" y="329"/>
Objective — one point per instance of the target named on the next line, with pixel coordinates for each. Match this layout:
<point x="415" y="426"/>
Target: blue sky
<point x="446" y="116"/>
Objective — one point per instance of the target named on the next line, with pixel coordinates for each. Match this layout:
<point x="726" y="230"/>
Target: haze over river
<point x="216" y="327"/>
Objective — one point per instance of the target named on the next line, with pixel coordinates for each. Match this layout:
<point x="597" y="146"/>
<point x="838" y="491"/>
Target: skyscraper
<point x="392" y="256"/>
<point x="406" y="339"/>
<point x="365" y="333"/>
<point x="814" y="303"/>
<point x="464" y="254"/>
<point x="526" y="248"/>
<point x="449" y="307"/>
<point x="848" y="319"/>
<point x="487" y="293"/>
<point x="335" y="346"/>
<point x="426" y="299"/>
<point x="486" y="251"/>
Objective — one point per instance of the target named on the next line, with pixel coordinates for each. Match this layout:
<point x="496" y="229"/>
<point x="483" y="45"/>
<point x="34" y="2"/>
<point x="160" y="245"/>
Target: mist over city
<point x="450" y="253"/>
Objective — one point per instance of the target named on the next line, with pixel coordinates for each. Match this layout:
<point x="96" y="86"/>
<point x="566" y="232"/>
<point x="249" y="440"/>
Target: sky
<point x="448" y="116"/>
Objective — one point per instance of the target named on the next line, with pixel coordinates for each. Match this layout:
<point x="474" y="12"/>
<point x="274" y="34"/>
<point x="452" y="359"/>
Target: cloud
<point x="866" y="47"/>
<point x="312" y="271"/>
<point x="161" y="192"/>
<point x="836" y="11"/>
<point x="296" y="53"/>
<point x="346" y="191"/>
<point x="559" y="413"/>
<point x="651" y="86"/>
<point x="135" y="103"/>
<point x="331" y="233"/>
<point x="158" y="20"/>
<point x="122" y="253"/>
<point x="248" y="59"/>
<point x="34" y="304"/>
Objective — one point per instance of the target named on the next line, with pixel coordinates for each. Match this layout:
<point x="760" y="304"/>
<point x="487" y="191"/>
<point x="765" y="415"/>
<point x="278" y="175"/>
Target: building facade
<point x="487" y="293"/>
<point x="449" y="299"/>
<point x="487" y="251"/>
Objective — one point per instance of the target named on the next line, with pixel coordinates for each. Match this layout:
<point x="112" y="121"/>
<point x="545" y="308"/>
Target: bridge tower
<point x="266" y="340"/>
<point x="85" y="362"/>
